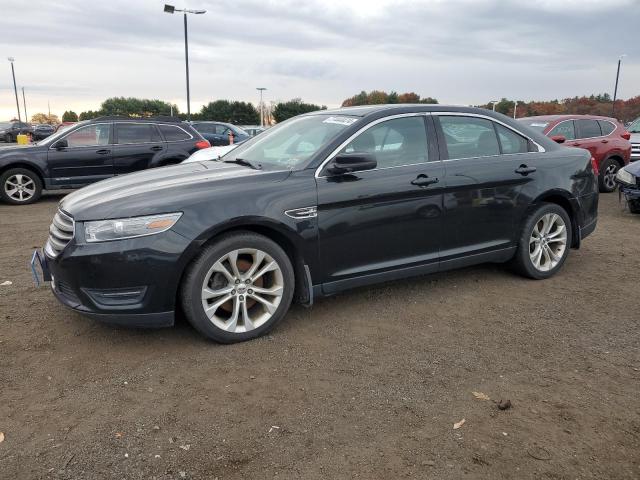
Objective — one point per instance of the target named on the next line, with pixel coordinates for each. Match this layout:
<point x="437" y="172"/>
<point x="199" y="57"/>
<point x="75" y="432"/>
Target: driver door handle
<point x="157" y="148"/>
<point x="103" y="151"/>
<point x="423" y="180"/>
<point x="524" y="170"/>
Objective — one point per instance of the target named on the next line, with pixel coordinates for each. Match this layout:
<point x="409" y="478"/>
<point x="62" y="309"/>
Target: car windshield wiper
<point x="246" y="163"/>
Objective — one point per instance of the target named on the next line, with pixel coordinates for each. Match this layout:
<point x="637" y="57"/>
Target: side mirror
<point x="559" y="138"/>
<point x="60" y="144"/>
<point x="353" y="162"/>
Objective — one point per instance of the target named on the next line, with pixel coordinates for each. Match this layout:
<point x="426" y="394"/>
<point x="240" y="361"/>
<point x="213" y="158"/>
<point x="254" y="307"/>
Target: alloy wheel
<point x="20" y="187"/>
<point x="548" y="242"/>
<point x="609" y="176"/>
<point x="242" y="290"/>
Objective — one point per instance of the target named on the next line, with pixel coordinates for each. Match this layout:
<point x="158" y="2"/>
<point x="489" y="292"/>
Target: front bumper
<point x="131" y="282"/>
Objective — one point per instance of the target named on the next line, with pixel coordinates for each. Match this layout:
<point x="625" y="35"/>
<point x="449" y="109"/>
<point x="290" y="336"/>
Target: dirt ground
<point x="367" y="384"/>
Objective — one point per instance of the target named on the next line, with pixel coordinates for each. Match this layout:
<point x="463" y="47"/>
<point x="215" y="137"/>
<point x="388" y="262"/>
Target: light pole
<point x="172" y="9"/>
<point x="24" y="102"/>
<point x="261" y="89"/>
<point x="615" y="91"/>
<point x="493" y="103"/>
<point x="515" y="107"/>
<point x="15" y="89"/>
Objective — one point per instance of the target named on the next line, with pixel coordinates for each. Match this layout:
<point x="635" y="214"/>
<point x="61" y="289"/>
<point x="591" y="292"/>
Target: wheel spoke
<point x="271" y="308"/>
<point x="276" y="291"/>
<point x="19" y="178"/>
<point x="257" y="261"/>
<point x="551" y="254"/>
<point x="232" y="323"/>
<point x="211" y="309"/>
<point x="267" y="268"/>
<point x="558" y="231"/>
<point x="11" y="192"/>
<point x="219" y="267"/>
<point x="208" y="294"/>
<point x="248" y="323"/>
<point x="535" y="256"/>
<point x="233" y="260"/>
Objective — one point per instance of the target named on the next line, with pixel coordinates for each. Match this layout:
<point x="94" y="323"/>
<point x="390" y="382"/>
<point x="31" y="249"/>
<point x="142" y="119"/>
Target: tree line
<point x="602" y="104"/>
<point x="378" y="97"/>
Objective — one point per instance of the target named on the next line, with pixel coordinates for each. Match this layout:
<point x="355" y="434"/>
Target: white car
<point x="634" y="129"/>
<point x="211" y="153"/>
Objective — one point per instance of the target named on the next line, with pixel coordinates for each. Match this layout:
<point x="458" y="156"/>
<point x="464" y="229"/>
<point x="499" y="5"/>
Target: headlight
<point x="119" y="229"/>
<point x="625" y="177"/>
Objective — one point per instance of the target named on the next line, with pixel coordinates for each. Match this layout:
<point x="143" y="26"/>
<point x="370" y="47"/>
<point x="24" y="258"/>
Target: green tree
<point x="88" y="115"/>
<point x="239" y="113"/>
<point x="376" y="97"/>
<point x="286" y="110"/>
<point x="69" y="116"/>
<point x="136" y="107"/>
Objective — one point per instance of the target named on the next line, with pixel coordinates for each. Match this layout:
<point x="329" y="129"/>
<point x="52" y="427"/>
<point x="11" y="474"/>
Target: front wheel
<point x="544" y="242"/>
<point x="20" y="186"/>
<point x="238" y="288"/>
<point x="607" y="177"/>
<point x="7" y="138"/>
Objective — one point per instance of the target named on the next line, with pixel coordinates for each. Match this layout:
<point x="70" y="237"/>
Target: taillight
<point x="626" y="135"/>
<point x="594" y="165"/>
<point x="202" y="144"/>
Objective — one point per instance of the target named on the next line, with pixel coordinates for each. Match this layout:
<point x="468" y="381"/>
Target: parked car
<point x="93" y="150"/>
<point x="42" y="131"/>
<point x="9" y="131"/>
<point x="212" y="153"/>
<point x="628" y="179"/>
<point x="318" y="204"/>
<point x="217" y="133"/>
<point x="634" y="130"/>
<point x="605" y="138"/>
<point x="253" y="130"/>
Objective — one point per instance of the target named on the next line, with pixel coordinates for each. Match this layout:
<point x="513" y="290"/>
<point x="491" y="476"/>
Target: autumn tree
<point x="45" y="118"/>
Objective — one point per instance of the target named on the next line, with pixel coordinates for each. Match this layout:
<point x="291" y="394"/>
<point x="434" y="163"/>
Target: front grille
<point x="60" y="233"/>
<point x="635" y="149"/>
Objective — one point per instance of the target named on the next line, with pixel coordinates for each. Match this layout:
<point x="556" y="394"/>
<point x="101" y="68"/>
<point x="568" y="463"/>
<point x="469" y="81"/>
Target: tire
<point x="532" y="245"/>
<point x="7" y="138"/>
<point x="19" y="186"/>
<point x="634" y="206"/>
<point x="210" y="280"/>
<point x="606" y="179"/>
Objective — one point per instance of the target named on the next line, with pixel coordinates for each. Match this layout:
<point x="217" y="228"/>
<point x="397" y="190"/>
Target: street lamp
<point x="515" y="107"/>
<point x="15" y="89"/>
<point x="615" y="92"/>
<point x="493" y="102"/>
<point x="172" y="9"/>
<point x="261" y="89"/>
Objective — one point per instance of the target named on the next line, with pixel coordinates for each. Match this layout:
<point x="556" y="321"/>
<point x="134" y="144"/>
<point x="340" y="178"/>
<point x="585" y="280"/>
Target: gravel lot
<point x="367" y="384"/>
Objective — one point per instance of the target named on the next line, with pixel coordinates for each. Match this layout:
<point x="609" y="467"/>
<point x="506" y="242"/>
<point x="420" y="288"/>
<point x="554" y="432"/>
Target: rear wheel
<point x="7" y="137"/>
<point x="607" y="178"/>
<point x="634" y="206"/>
<point x="20" y="186"/>
<point x="544" y="242"/>
<point x="238" y="288"/>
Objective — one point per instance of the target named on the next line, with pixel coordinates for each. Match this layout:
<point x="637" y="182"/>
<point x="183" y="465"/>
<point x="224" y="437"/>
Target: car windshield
<point x="535" y="124"/>
<point x="635" y="127"/>
<point x="62" y="131"/>
<point x="291" y="143"/>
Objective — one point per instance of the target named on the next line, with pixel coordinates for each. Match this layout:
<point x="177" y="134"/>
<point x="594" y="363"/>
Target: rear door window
<point x="567" y="129"/>
<point x="510" y="141"/>
<point x="173" y="133"/>
<point x="468" y="137"/>
<point x="588" y="128"/>
<point x="606" y="127"/>
<point x="129" y="133"/>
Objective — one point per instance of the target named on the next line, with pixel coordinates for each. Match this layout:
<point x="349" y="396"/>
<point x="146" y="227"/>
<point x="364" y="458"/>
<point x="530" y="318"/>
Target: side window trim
<point x="372" y="124"/>
<point x="111" y="135"/>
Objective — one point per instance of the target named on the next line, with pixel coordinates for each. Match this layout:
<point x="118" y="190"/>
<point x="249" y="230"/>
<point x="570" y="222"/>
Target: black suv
<point x="9" y="131"/>
<point x="94" y="150"/>
<point x="315" y="205"/>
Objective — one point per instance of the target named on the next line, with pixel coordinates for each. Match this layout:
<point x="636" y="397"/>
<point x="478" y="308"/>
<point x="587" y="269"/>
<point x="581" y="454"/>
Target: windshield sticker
<point x="341" y="120"/>
<point x="538" y="125"/>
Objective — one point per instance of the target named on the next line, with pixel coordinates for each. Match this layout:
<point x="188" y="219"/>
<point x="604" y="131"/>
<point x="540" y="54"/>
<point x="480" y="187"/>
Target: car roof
<point x="366" y="110"/>
<point x="119" y="118"/>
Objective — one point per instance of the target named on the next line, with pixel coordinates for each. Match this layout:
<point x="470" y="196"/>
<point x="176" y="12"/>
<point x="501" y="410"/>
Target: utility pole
<point x="615" y="91"/>
<point x="261" y="89"/>
<point x="24" y="102"/>
<point x="515" y="107"/>
<point x="15" y="89"/>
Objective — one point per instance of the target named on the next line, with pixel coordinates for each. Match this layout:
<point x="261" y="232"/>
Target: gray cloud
<point x="460" y="51"/>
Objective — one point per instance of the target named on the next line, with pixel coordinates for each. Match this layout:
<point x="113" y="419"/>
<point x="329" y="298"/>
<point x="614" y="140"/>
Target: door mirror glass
<point x="60" y="144"/>
<point x="559" y="138"/>
<point x="353" y="162"/>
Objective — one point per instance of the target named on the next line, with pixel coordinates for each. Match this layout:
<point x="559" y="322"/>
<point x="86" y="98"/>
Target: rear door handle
<point x="157" y="148"/>
<point x="104" y="151"/>
<point x="605" y="141"/>
<point x="423" y="180"/>
<point x="524" y="170"/>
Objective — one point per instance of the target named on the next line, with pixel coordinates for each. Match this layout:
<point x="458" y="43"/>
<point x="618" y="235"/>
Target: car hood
<point x="21" y="149"/>
<point x="635" y="138"/>
<point x="163" y="190"/>
<point x="633" y="168"/>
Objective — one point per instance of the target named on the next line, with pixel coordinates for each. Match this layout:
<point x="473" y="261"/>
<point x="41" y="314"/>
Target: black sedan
<point x="42" y="131"/>
<point x="628" y="179"/>
<point x="315" y="205"/>
<point x="219" y="133"/>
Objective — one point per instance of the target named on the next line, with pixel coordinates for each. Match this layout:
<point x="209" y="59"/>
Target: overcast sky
<point x="76" y="53"/>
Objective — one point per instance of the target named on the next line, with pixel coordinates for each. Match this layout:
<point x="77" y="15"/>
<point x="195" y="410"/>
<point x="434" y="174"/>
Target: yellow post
<point x="22" y="139"/>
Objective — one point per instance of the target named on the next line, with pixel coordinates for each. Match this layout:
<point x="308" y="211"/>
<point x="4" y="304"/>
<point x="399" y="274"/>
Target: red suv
<point x="605" y="138"/>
